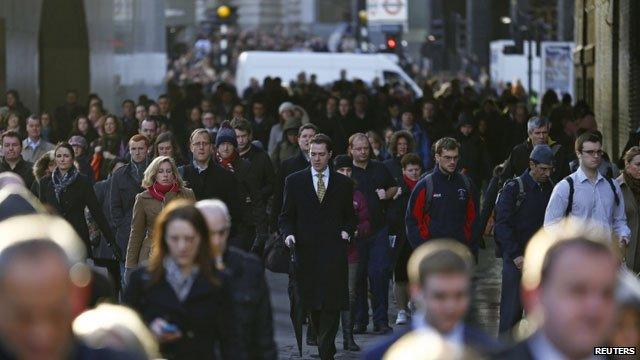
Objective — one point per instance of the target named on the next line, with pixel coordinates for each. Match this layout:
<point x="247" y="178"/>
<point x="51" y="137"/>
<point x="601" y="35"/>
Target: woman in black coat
<point x="69" y="192"/>
<point x="179" y="295"/>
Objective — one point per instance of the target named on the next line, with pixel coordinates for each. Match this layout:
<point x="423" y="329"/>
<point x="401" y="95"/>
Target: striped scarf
<point x="60" y="182"/>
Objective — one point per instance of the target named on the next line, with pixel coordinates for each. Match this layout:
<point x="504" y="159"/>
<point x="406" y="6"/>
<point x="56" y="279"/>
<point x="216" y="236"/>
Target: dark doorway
<point x="64" y="51"/>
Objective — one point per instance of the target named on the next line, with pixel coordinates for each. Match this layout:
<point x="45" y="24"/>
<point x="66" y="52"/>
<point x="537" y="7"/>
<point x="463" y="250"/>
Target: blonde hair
<point x="117" y="327"/>
<point x="153" y="168"/>
<point x="544" y="246"/>
<point x="436" y="257"/>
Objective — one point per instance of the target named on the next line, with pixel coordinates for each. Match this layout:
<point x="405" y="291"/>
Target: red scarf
<point x="159" y="191"/>
<point x="228" y="163"/>
<point x="410" y="183"/>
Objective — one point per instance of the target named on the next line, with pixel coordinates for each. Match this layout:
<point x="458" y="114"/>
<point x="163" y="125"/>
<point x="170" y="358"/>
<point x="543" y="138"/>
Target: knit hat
<point x="287" y="105"/>
<point x="542" y="154"/>
<point x="78" y="140"/>
<point x="342" y="161"/>
<point x="226" y="134"/>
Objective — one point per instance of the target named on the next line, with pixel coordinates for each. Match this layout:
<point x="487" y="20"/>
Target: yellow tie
<point x="321" y="188"/>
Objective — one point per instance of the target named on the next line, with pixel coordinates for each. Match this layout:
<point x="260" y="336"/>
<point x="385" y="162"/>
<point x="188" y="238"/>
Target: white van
<point x="326" y="66"/>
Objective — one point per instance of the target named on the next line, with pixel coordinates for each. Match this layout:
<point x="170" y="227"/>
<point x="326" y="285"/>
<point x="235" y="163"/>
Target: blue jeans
<point x="374" y="265"/>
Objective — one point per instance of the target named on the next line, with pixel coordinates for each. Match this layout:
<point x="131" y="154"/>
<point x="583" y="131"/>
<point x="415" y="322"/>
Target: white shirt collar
<point x="33" y="144"/>
<point x="543" y="349"/>
<point x="581" y="176"/>
<point x="455" y="336"/>
<point x="325" y="174"/>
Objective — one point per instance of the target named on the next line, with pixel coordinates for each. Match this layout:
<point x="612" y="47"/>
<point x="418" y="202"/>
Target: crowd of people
<point x="200" y="62"/>
<point x="350" y="188"/>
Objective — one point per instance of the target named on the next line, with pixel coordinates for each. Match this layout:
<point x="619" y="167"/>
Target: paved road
<point x="485" y="312"/>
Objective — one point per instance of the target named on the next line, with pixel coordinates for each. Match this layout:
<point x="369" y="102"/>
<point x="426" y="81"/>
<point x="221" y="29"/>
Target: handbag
<point x="276" y="255"/>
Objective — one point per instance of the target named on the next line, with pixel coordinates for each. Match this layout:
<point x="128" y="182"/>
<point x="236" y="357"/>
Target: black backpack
<point x="567" y="212"/>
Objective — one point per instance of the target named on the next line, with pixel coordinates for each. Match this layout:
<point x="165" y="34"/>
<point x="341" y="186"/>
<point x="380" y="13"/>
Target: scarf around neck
<point x="410" y="183"/>
<point x="633" y="184"/>
<point x="179" y="282"/>
<point x="228" y="163"/>
<point x="61" y="182"/>
<point x="159" y="191"/>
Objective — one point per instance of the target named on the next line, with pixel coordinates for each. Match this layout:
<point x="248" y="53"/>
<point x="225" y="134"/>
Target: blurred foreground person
<point x="440" y="281"/>
<point x="116" y="327"/>
<point x="39" y="255"/>
<point x="627" y="328"/>
<point x="572" y="304"/>
<point x="426" y="345"/>
<point x="178" y="294"/>
<point x="244" y="275"/>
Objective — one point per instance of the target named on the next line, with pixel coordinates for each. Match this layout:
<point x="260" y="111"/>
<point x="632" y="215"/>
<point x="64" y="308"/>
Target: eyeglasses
<point x="593" y="152"/>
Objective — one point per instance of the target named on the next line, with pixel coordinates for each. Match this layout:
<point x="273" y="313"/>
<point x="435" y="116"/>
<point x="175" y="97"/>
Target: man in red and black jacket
<point x="441" y="205"/>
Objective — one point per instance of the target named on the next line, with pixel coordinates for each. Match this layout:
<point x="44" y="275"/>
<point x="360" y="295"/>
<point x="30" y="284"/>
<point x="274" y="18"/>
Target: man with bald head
<point x="244" y="274"/>
<point x="43" y="259"/>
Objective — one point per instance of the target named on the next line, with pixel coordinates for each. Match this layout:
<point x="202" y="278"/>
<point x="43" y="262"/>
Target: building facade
<point x="607" y="66"/>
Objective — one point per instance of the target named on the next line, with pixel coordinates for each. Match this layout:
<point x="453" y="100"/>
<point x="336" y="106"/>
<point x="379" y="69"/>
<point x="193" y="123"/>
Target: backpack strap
<point x="613" y="188"/>
<point x="567" y="212"/>
<point x="521" y="194"/>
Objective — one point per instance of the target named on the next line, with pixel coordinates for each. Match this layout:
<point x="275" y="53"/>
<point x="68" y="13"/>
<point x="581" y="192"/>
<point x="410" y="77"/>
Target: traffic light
<point x="226" y="14"/>
<point x="392" y="42"/>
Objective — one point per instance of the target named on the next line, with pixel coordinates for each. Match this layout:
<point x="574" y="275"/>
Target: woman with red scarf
<point x="411" y="170"/>
<point x="163" y="184"/>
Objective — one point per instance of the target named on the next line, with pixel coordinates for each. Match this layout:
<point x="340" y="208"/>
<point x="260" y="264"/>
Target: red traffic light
<point x="391" y="43"/>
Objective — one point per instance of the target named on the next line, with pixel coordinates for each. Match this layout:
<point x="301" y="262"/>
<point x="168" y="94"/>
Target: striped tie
<point x="321" y="188"/>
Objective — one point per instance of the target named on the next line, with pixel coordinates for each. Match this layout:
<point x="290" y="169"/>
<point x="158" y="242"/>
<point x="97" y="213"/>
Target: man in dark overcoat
<point x="318" y="218"/>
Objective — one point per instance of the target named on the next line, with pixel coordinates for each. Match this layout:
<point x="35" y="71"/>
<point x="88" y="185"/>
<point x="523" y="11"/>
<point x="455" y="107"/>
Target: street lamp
<point x="505" y="20"/>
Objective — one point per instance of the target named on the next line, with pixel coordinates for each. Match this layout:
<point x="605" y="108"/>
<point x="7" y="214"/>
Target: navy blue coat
<point x="514" y="227"/>
<point x="473" y="338"/>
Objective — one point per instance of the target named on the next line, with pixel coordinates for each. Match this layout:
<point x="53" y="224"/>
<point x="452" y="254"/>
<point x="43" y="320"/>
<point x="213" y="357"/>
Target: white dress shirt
<point x="325" y="178"/>
<point x="455" y="336"/>
<point x="543" y="349"/>
<point x="591" y="201"/>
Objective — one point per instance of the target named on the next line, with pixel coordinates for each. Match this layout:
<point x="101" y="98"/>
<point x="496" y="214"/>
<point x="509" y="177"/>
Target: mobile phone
<point x="169" y="328"/>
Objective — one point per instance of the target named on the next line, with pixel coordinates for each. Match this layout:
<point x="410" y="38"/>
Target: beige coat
<point x="145" y="211"/>
<point x="631" y="210"/>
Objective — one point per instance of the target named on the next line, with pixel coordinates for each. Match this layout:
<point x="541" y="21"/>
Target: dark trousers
<point x="375" y="265"/>
<point x="326" y="322"/>
<point x="510" y="303"/>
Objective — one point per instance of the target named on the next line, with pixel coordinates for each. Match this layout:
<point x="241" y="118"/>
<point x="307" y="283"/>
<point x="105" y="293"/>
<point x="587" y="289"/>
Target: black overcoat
<point x="203" y="318"/>
<point x="322" y="253"/>
<point x="74" y="199"/>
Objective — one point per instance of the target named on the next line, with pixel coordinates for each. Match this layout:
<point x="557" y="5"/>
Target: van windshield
<point x="394" y="80"/>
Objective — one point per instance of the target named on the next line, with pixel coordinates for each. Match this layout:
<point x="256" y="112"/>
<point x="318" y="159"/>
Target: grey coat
<point x="122" y="197"/>
<point x="633" y="222"/>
